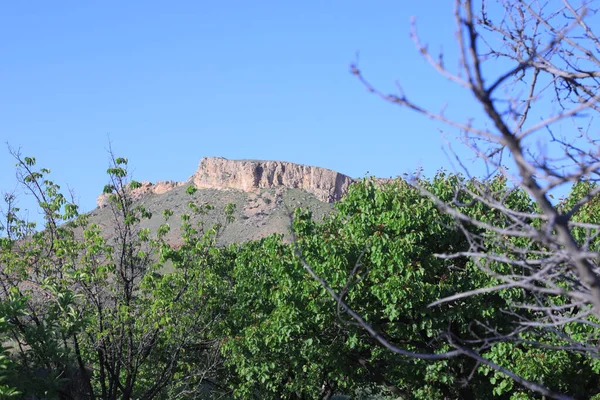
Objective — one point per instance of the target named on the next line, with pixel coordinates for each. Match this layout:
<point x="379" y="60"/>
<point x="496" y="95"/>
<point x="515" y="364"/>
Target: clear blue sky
<point x="170" y="82"/>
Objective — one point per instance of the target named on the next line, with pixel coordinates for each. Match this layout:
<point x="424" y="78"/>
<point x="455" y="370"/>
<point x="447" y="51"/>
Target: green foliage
<point x="285" y="337"/>
<point x="587" y="212"/>
<point x="8" y="372"/>
<point x="229" y="210"/>
<point x="133" y="317"/>
<point x="564" y="371"/>
<point x="380" y="250"/>
<point x="273" y="342"/>
<point x="191" y="190"/>
<point x="97" y="317"/>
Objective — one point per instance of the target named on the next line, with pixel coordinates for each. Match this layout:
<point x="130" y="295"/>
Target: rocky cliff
<point x="159" y="187"/>
<point x="249" y="175"/>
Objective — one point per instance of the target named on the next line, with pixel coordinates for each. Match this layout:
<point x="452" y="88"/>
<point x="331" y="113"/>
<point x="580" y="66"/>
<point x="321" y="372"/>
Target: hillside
<point x="265" y="194"/>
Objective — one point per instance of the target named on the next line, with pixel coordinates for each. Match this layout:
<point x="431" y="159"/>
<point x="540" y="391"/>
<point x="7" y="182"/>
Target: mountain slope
<point x="265" y="195"/>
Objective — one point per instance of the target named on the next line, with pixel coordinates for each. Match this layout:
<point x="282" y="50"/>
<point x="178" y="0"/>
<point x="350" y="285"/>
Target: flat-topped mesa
<point x="247" y="175"/>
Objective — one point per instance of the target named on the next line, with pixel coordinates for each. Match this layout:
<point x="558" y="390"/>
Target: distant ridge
<point x="250" y="175"/>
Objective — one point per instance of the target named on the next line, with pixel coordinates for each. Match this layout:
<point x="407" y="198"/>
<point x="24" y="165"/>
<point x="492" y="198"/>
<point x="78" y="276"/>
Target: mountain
<point x="265" y="194"/>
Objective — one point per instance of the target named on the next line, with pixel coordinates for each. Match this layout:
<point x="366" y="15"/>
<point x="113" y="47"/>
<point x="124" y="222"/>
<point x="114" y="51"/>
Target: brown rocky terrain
<point x="265" y="194"/>
<point x="159" y="187"/>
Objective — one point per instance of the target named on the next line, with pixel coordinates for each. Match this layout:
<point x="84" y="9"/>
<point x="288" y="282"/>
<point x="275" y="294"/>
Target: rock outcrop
<point x="248" y="175"/>
<point x="159" y="187"/>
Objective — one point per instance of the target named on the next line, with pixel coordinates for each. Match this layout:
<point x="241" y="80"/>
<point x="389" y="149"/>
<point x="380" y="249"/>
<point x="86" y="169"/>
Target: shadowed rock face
<point x="250" y="175"/>
<point x="247" y="175"/>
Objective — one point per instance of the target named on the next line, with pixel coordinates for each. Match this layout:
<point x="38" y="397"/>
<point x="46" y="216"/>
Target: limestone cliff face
<point x="248" y="175"/>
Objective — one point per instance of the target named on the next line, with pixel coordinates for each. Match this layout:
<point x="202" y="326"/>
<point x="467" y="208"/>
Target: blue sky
<point x="170" y="82"/>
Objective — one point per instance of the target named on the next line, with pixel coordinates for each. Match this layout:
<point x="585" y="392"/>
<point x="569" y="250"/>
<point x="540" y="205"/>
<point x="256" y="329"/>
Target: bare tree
<point x="538" y="133"/>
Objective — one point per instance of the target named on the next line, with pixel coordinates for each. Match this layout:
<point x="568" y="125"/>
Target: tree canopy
<point x="130" y="316"/>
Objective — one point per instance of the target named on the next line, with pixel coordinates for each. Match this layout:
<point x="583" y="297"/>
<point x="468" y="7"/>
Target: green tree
<point x="396" y="272"/>
<point x="96" y="314"/>
<point x="285" y="337"/>
<point x="533" y="70"/>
